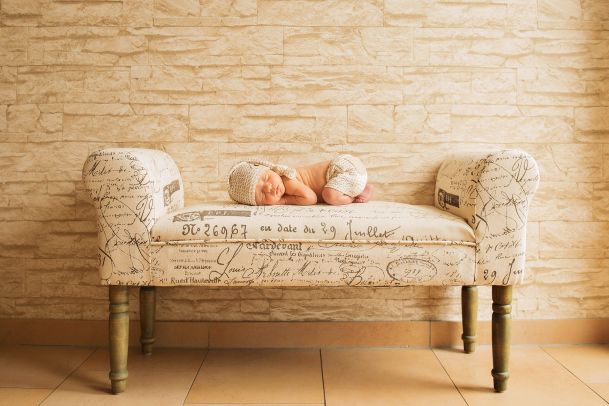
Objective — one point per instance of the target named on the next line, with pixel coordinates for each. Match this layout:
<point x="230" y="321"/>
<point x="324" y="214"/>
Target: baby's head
<point x="257" y="182"/>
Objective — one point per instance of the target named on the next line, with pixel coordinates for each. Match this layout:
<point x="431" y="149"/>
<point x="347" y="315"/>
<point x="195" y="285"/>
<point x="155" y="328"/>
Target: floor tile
<point x="259" y="376"/>
<point x="25" y="366"/>
<point x="535" y="379"/>
<point x="161" y="379"/>
<point x="590" y="363"/>
<point x="386" y="377"/>
<point x="602" y="389"/>
<point x="162" y="359"/>
<point x="22" y="397"/>
<point x="91" y="388"/>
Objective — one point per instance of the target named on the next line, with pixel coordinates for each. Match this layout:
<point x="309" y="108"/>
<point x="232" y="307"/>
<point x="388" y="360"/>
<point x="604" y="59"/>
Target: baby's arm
<point x="297" y="193"/>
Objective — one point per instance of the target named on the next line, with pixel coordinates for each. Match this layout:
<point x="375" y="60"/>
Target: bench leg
<point x="469" y="311"/>
<point x="501" y="326"/>
<point x="119" y="337"/>
<point x="147" y="313"/>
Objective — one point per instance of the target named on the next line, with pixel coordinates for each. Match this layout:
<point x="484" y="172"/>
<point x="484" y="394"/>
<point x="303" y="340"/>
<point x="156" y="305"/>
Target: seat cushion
<point x="371" y="222"/>
<point x="372" y="244"/>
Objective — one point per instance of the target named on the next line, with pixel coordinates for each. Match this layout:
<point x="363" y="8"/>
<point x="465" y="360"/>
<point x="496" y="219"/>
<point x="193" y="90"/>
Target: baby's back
<point x="314" y="176"/>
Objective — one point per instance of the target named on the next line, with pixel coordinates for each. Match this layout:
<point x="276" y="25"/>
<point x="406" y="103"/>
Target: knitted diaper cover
<point x="347" y="174"/>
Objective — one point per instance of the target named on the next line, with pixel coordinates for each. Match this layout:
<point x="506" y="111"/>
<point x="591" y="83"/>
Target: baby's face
<point x="269" y="188"/>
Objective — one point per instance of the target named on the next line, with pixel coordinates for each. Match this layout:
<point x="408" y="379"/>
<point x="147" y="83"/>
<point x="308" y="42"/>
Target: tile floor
<point x="541" y="375"/>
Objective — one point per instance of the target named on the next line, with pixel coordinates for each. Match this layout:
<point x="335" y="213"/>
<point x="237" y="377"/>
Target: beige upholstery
<point x="476" y="235"/>
<point x="378" y="221"/>
<point x="377" y="243"/>
<point x="131" y="189"/>
<point x="492" y="192"/>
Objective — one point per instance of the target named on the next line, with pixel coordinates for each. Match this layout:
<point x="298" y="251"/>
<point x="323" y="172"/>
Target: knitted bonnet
<point x="243" y="177"/>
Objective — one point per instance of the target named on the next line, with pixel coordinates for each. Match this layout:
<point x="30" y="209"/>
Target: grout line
<point x="323" y="383"/>
<point x="572" y="373"/>
<point x="195" y="377"/>
<point x="95" y="349"/>
<point x="449" y="377"/>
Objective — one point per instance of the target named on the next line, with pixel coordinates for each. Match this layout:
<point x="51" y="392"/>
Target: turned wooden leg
<point x="501" y="325"/>
<point x="119" y="337"/>
<point x="469" y="310"/>
<point x="147" y="313"/>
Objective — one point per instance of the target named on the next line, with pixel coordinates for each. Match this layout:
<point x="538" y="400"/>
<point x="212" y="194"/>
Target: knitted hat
<point x="243" y="177"/>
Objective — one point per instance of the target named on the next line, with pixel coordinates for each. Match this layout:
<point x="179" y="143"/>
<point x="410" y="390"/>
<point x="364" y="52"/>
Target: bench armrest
<point x="492" y="192"/>
<point x="131" y="188"/>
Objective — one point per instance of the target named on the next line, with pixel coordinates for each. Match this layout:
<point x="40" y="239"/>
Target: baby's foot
<point x="365" y="195"/>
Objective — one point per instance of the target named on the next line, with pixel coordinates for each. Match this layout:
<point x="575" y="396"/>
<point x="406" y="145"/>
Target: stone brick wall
<point x="400" y="83"/>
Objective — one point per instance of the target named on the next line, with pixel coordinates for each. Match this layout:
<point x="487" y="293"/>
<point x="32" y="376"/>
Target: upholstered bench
<point x="475" y="235"/>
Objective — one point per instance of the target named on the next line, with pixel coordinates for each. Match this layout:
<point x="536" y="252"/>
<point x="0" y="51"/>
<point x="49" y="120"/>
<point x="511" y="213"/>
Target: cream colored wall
<point x="400" y="83"/>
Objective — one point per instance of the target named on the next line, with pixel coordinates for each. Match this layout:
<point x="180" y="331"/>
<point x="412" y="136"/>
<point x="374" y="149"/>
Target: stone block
<point x="197" y="85"/>
<point x="435" y="86"/>
<point x="336" y="309"/>
<point x="7" y="307"/>
<point x="522" y="14"/>
<point x="568" y="162"/>
<point x="180" y="8"/>
<point x="13" y="46"/>
<point x="86" y="46"/>
<point x="196" y="161"/>
<point x="255" y="306"/>
<point x="212" y="310"/>
<point x="256" y="72"/>
<point x="52" y="308"/>
<point x="592" y="123"/>
<point x="511" y="129"/>
<point x="22" y="7"/>
<point x="137" y="13"/>
<point x="532" y="250"/>
<point x="372" y="122"/>
<point x="134" y="127"/>
<point x="216" y="46"/>
<point x="335" y="85"/>
<point x="559" y="9"/>
<point x="350" y="13"/>
<point x="432" y="13"/>
<point x="336" y="46"/>
<point x="416" y="124"/>
<point x="21" y="188"/>
<point x="91" y="13"/>
<point x="261" y="293"/>
<point x="13" y="282"/>
<point x="205" y="13"/>
<point x="571" y="239"/>
<point x="33" y="162"/>
<point x="23" y="117"/>
<point x="61" y="188"/>
<point x="229" y="12"/>
<point x="595" y="11"/>
<point x="569" y="201"/>
<point x="8" y="83"/>
<point x="3" y="120"/>
<point x="280" y="123"/>
<point x="62" y="84"/>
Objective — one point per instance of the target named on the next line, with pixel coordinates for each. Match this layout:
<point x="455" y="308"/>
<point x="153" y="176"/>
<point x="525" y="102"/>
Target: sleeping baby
<point x="342" y="180"/>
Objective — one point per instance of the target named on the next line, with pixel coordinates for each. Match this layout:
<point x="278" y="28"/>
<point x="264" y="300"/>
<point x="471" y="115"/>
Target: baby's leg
<point x="365" y="196"/>
<point x="334" y="197"/>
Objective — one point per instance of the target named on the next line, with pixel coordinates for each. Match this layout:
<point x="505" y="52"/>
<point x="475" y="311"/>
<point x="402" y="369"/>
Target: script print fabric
<point x="484" y="196"/>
